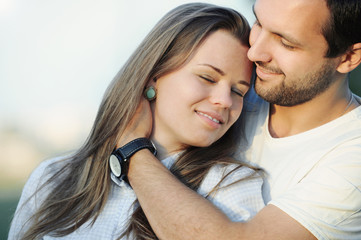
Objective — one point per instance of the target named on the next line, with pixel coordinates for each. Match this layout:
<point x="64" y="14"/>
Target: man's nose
<point x="260" y="50"/>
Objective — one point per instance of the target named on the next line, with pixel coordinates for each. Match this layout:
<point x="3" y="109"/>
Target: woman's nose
<point x="221" y="95"/>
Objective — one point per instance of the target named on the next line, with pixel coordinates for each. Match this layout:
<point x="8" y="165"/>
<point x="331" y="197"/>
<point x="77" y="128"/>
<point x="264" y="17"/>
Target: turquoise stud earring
<point x="150" y="93"/>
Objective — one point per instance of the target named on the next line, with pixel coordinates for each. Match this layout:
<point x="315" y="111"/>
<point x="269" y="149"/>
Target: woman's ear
<point x="351" y="59"/>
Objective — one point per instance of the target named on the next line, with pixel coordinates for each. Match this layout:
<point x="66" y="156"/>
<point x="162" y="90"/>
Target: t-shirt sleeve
<point x="239" y="195"/>
<point x="327" y="201"/>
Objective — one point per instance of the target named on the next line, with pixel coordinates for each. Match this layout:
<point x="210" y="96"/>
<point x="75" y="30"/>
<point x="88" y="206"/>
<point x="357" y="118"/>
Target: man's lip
<point x="265" y="73"/>
<point x="211" y="115"/>
<point x="267" y="70"/>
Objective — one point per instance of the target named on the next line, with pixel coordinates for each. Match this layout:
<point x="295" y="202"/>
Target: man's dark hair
<point x="343" y="28"/>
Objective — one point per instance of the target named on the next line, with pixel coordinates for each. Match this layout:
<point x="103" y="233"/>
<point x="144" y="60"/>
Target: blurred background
<point x="56" y="60"/>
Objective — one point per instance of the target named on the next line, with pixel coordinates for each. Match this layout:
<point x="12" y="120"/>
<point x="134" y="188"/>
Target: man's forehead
<point x="309" y="14"/>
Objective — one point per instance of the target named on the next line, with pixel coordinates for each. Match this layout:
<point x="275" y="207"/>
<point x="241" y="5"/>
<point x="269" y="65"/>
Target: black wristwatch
<point x="119" y="159"/>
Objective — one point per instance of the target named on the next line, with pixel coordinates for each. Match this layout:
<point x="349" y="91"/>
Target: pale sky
<point x="57" y="57"/>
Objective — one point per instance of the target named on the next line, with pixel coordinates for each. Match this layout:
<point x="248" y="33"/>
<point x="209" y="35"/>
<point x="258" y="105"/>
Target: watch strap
<point x="134" y="146"/>
<point x="119" y="159"/>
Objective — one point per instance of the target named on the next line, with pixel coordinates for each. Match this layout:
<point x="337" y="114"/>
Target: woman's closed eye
<point x="238" y="92"/>
<point x="207" y="78"/>
<point x="233" y="89"/>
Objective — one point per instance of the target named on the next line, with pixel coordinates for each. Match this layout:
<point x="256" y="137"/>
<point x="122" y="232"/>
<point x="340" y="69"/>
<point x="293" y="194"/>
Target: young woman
<point x="193" y="69"/>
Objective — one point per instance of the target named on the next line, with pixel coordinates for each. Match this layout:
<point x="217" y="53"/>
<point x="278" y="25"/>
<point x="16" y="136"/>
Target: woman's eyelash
<point x="238" y="92"/>
<point x="234" y="90"/>
<point x="208" y="79"/>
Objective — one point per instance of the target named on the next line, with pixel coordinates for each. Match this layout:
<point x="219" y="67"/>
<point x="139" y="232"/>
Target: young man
<point x="307" y="138"/>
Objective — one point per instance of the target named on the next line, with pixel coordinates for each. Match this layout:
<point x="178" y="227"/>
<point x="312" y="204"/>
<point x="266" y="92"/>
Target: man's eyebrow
<point x="282" y="35"/>
<point x="288" y="38"/>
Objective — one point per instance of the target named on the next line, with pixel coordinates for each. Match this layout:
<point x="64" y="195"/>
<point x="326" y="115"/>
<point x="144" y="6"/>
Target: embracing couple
<point x="215" y="130"/>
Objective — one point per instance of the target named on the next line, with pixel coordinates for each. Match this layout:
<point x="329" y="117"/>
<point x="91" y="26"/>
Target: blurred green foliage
<point x="7" y="209"/>
<point x="355" y="81"/>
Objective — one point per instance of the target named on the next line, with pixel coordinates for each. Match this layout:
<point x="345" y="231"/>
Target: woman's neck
<point x="162" y="152"/>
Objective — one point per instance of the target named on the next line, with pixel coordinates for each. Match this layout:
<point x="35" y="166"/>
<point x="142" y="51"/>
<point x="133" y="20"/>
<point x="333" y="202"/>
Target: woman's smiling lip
<point x="215" y="117"/>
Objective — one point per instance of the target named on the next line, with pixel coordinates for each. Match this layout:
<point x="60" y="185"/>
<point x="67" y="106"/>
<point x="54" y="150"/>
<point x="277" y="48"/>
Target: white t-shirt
<point x="314" y="176"/>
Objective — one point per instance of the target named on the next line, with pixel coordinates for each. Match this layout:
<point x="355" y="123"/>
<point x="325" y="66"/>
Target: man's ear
<point x="351" y="59"/>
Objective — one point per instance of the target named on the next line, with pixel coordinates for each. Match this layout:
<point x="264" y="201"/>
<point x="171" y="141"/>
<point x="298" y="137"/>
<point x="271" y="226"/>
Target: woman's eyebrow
<point x="244" y="83"/>
<point x="214" y="68"/>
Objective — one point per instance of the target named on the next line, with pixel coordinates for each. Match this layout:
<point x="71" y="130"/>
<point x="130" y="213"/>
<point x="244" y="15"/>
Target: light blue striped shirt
<point x="239" y="201"/>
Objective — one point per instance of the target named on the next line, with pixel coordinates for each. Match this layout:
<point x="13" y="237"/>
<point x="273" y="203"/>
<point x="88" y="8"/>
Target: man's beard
<point x="298" y="91"/>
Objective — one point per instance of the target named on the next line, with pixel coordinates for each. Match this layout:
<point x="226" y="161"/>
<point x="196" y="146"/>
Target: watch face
<point x="115" y="165"/>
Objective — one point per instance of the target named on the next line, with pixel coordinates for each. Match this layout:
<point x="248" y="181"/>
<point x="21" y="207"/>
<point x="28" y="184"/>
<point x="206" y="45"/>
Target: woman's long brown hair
<point x="79" y="190"/>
